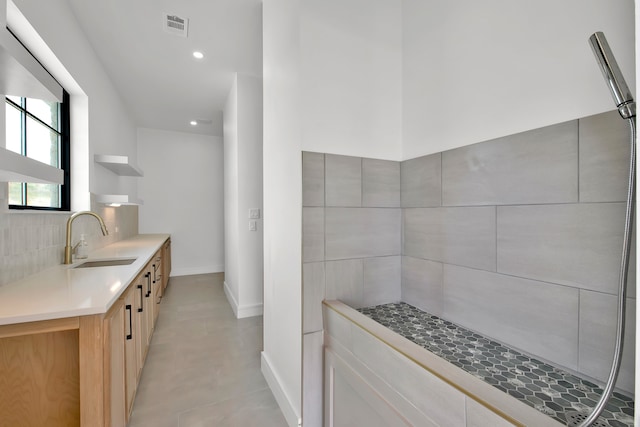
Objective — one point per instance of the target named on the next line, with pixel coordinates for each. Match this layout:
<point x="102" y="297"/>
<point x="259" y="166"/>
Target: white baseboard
<point x="286" y="406"/>
<point x="241" y="311"/>
<point x="190" y="271"/>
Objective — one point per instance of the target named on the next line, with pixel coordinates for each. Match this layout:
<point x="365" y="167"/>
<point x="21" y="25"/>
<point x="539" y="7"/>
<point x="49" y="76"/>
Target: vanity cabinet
<point x="80" y="371"/>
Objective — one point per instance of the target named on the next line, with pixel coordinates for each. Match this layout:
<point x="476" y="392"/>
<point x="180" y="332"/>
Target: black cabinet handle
<point x="130" y="334"/>
<point x="141" y="308"/>
<point x="154" y="273"/>
<point x="148" y="285"/>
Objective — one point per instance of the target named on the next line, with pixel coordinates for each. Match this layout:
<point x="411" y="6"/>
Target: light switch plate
<point x="253" y="226"/>
<point x="254" y="213"/>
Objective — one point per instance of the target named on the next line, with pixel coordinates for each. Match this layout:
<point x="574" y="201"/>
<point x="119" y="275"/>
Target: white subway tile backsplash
<point x="34" y="241"/>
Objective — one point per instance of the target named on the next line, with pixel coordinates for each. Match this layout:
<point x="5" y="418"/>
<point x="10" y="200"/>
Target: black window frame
<point x="65" y="152"/>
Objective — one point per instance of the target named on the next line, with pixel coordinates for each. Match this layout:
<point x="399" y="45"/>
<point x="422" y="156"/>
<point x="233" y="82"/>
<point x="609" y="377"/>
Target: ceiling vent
<point x="175" y="24"/>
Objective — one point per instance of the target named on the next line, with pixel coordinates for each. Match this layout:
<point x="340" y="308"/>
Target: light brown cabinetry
<point x="40" y="388"/>
<point x="166" y="265"/>
<point x="115" y="360"/>
<point x="79" y="371"/>
<point x="131" y="360"/>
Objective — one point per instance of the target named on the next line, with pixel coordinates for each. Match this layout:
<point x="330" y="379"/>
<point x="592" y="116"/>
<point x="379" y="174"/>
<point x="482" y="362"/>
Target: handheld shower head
<point x="612" y="74"/>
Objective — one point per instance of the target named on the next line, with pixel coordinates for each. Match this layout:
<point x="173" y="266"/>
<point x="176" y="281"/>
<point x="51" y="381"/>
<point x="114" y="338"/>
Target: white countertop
<point x="63" y="291"/>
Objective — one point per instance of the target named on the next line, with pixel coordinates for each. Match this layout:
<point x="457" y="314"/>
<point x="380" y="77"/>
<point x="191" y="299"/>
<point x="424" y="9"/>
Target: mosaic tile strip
<point x="554" y="392"/>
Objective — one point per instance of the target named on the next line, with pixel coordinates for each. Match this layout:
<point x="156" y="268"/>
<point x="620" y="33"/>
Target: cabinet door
<point x="157" y="298"/>
<point x="149" y="307"/>
<point x="141" y="326"/>
<point x="166" y="264"/>
<point x="131" y="358"/>
<point x="115" y="323"/>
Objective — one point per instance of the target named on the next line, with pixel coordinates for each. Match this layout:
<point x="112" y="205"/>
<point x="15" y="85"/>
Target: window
<point x="40" y="130"/>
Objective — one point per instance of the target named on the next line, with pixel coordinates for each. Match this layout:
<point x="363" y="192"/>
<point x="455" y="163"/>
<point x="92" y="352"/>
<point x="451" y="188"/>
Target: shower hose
<point x="622" y="285"/>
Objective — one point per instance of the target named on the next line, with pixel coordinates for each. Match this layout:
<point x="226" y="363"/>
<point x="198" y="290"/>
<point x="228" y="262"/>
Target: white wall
<point x="282" y="355"/>
<point x="474" y="71"/>
<point x="332" y="83"/>
<point x="231" y="195"/>
<point x="182" y="190"/>
<point x="351" y="77"/>
<point x="100" y="120"/>
<point x="243" y="191"/>
<point x="108" y="126"/>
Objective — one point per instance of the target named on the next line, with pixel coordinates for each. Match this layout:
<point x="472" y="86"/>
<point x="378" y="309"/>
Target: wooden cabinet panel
<point x="131" y="360"/>
<point x="141" y="324"/>
<point x="166" y="264"/>
<point x="46" y="366"/>
<point x="40" y="380"/>
<point x="115" y="362"/>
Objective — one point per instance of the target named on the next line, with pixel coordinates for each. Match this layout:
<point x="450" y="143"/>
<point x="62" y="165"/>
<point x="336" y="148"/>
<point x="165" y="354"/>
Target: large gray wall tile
<point x="604" y="158"/>
<point x="343" y="180"/>
<point x="598" y="314"/>
<point x="536" y="317"/>
<point x="537" y="166"/>
<point x="461" y="236"/>
<point x="382" y="277"/>
<point x="312" y="294"/>
<point x="362" y="233"/>
<point x="380" y="183"/>
<point x="312" y="379"/>
<point x="312" y="234"/>
<point x="420" y="180"/>
<point x="576" y="244"/>
<point x="345" y="281"/>
<point x="422" y="284"/>
<point x="312" y="179"/>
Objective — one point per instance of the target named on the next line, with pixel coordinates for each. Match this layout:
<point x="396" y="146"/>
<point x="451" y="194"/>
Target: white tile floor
<point x="203" y="365"/>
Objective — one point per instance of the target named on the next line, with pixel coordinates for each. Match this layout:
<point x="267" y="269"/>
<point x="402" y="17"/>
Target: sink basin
<point x="106" y="263"/>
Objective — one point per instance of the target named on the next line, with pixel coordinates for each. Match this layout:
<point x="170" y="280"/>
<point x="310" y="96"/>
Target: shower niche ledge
<point x="120" y="165"/>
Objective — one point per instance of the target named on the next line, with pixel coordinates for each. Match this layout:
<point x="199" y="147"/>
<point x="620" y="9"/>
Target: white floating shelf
<point x="17" y="168"/>
<point x="22" y="75"/>
<point x="120" y="165"/>
<point x="117" y="199"/>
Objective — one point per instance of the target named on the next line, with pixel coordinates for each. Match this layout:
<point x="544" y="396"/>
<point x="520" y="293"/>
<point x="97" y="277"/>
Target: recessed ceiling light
<point x="198" y="55"/>
<point x="193" y="123"/>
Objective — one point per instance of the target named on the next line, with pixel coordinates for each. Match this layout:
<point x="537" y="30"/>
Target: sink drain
<point x="575" y="418"/>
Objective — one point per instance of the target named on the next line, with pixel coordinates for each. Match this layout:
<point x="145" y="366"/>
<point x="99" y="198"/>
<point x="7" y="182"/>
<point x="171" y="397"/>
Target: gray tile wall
<point x="525" y="244"/>
<point x="352" y="232"/>
<point x="351" y="246"/>
<point x="517" y="238"/>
